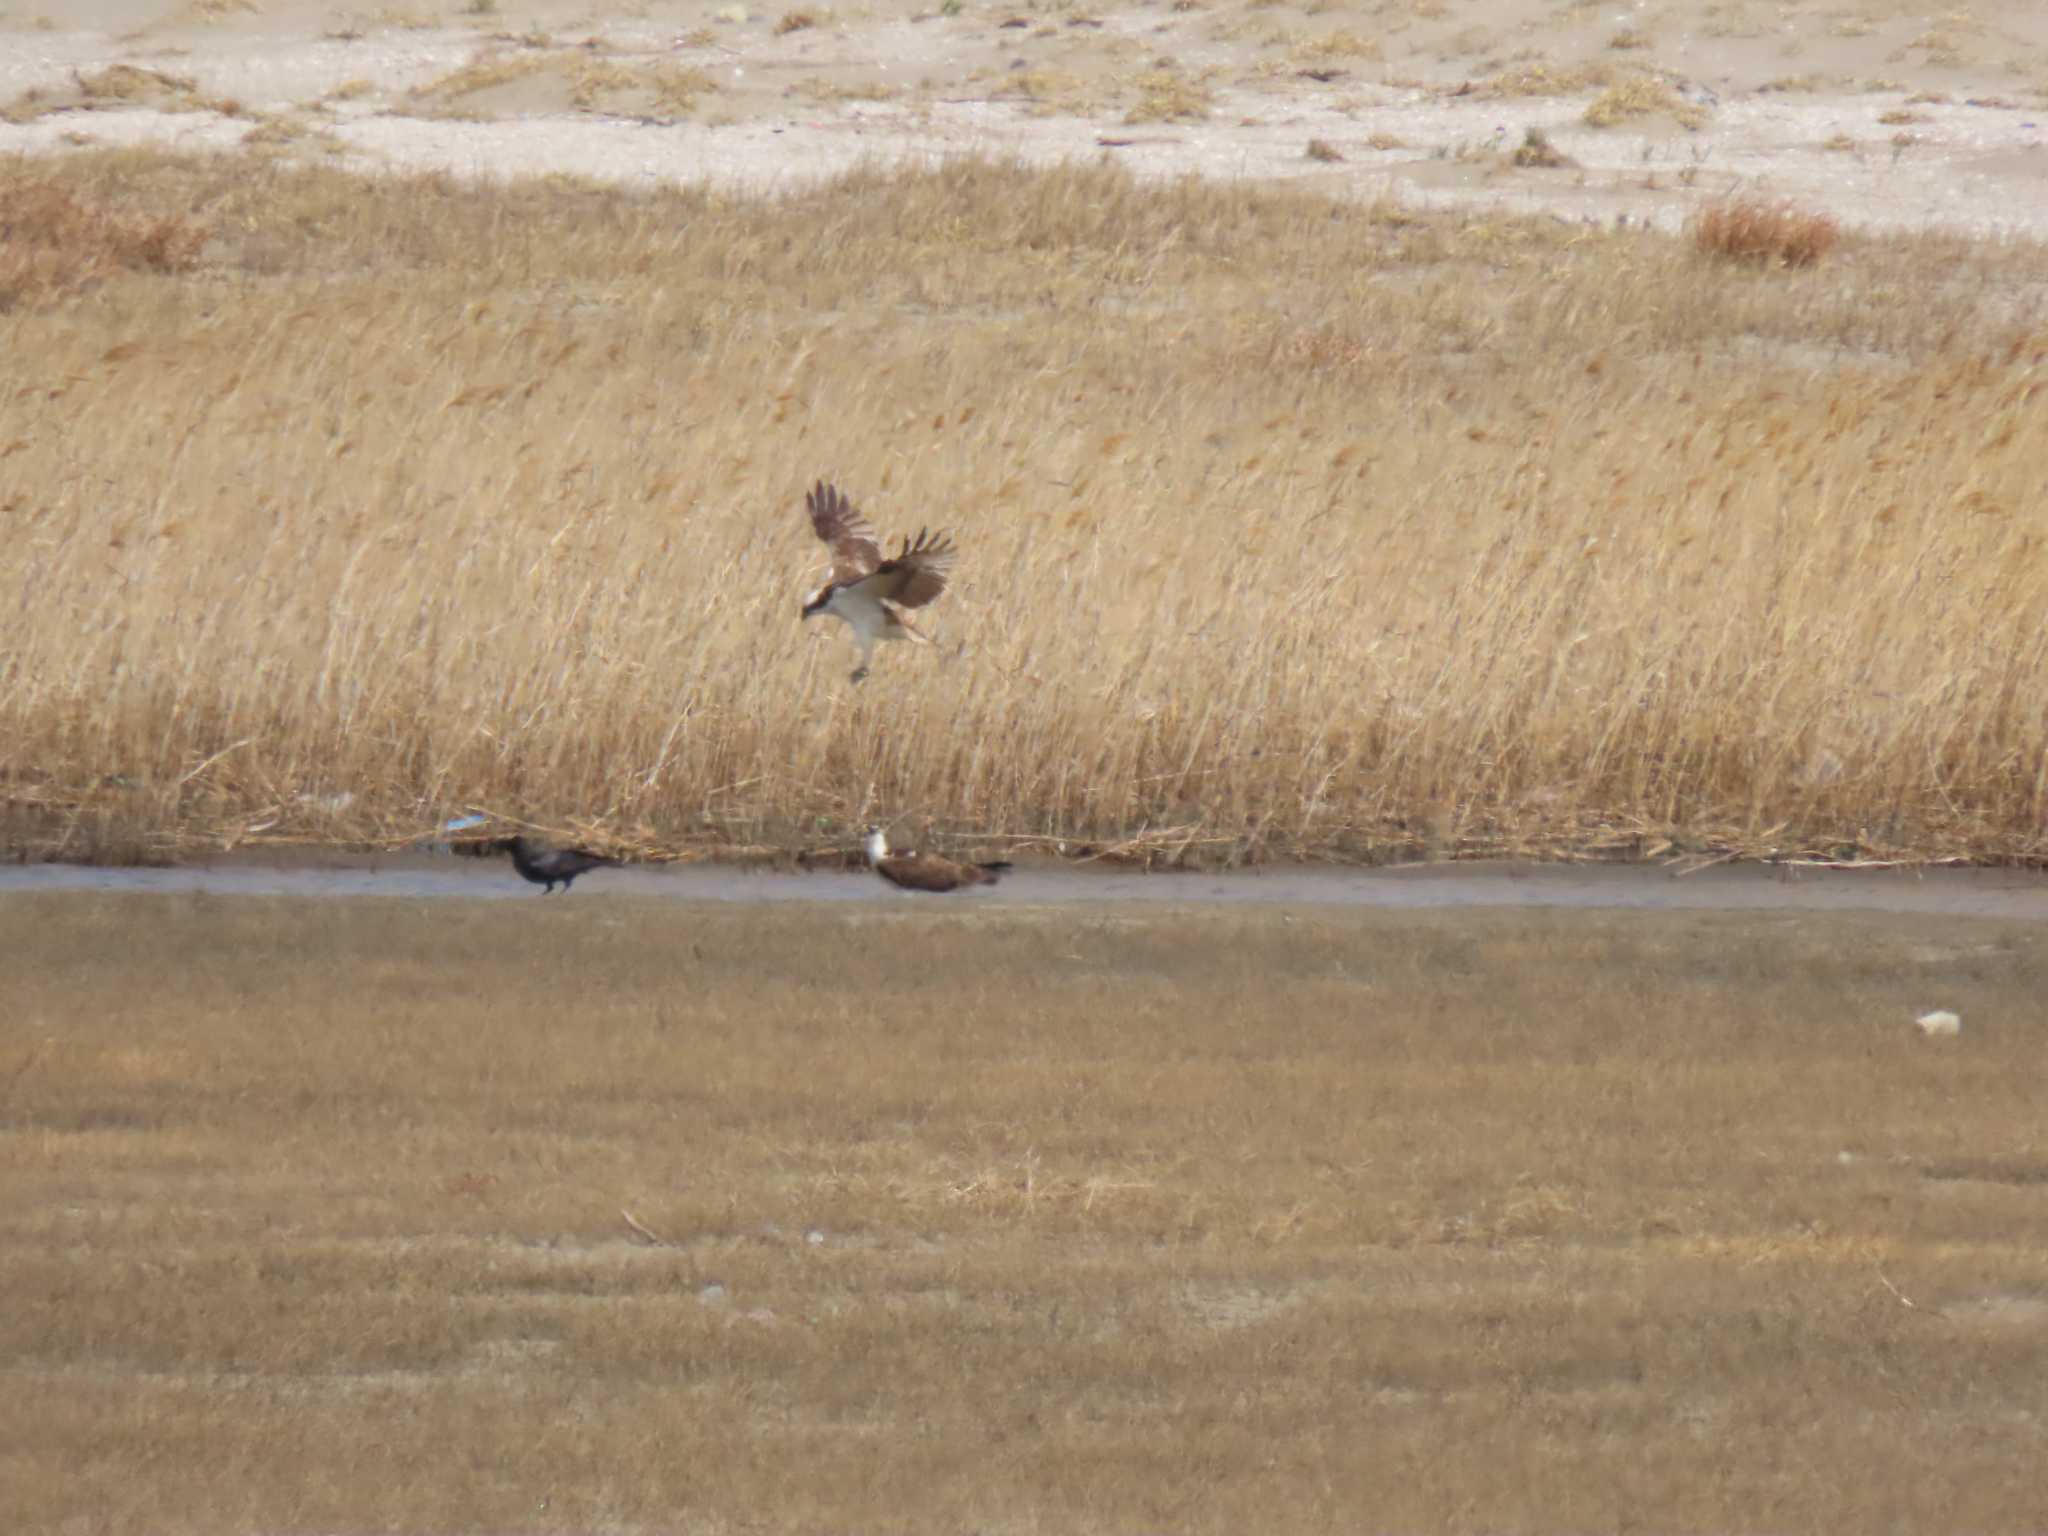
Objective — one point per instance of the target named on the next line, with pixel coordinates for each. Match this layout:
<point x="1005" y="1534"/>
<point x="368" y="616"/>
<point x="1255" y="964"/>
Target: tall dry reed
<point x="1287" y="526"/>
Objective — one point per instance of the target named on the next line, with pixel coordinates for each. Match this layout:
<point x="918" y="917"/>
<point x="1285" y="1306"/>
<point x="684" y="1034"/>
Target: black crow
<point x="545" y="866"/>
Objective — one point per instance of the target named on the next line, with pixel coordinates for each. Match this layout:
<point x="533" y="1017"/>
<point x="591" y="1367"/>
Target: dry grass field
<point x="1289" y="526"/>
<point x="601" y="1215"/>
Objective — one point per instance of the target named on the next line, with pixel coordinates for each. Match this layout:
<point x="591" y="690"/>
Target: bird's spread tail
<point x="910" y="630"/>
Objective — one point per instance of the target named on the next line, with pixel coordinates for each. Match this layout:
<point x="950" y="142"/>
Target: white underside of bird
<point x="872" y="620"/>
<point x="870" y="593"/>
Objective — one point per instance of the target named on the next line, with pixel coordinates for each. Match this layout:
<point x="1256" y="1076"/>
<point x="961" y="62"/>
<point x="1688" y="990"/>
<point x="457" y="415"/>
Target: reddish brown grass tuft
<point x="52" y="243"/>
<point x="1776" y="234"/>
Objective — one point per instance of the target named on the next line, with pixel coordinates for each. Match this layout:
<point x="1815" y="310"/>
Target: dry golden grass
<point x="489" y="72"/>
<point x="54" y="243"/>
<point x="572" y="77"/>
<point x="116" y="86"/>
<point x="820" y="88"/>
<point x="1288" y="525"/>
<point x="129" y="84"/>
<point x="1752" y="229"/>
<point x="1536" y="152"/>
<point x="1642" y="97"/>
<point x="1342" y="43"/>
<point x="1167" y="95"/>
<point x="376" y="1215"/>
<point x="1047" y="91"/>
<point x="1541" y="77"/>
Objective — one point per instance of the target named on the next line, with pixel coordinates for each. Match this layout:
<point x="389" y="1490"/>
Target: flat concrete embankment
<point x="1948" y="892"/>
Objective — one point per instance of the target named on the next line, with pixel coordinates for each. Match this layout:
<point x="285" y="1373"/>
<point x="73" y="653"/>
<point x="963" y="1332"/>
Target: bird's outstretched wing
<point x="915" y="575"/>
<point x="846" y="533"/>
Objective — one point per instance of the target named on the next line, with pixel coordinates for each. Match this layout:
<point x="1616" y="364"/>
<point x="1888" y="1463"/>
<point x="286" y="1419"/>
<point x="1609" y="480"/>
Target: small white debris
<point x="713" y="1295"/>
<point x="1940" y="1022"/>
<point x="814" y="1237"/>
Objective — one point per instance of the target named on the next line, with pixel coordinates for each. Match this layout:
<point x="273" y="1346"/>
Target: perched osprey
<point x="926" y="871"/>
<point x="545" y="866"/>
<point x="870" y="593"/>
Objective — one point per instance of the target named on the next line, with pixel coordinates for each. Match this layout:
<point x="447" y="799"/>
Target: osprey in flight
<point x="926" y="871"/>
<point x="870" y="593"/>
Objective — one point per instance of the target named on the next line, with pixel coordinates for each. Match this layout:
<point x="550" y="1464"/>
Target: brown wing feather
<point x="835" y="520"/>
<point x="918" y="872"/>
<point x="933" y="872"/>
<point x="917" y="574"/>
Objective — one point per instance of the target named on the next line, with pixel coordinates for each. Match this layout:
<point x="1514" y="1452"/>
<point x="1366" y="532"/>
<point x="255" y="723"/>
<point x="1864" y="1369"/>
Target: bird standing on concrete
<point x="927" y="871"/>
<point x="547" y="866"/>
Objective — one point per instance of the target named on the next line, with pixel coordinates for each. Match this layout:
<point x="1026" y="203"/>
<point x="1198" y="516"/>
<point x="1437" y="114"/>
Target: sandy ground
<point x="1885" y="113"/>
<point x="586" y="1215"/>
